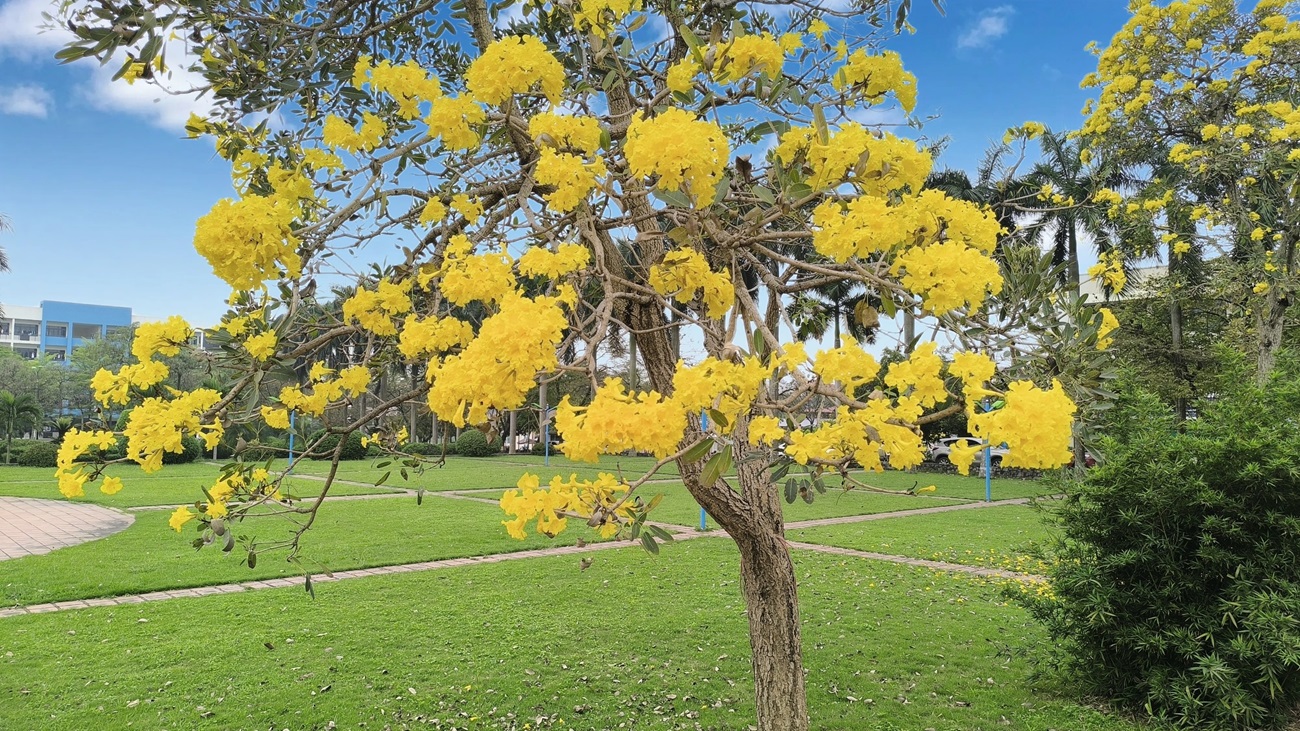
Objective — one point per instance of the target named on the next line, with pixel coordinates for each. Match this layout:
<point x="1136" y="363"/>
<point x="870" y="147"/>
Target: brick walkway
<point x="903" y="513"/>
<point x="30" y="526"/>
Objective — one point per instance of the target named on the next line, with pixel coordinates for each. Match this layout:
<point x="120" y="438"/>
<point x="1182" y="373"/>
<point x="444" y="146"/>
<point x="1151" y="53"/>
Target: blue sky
<point x="102" y="188"/>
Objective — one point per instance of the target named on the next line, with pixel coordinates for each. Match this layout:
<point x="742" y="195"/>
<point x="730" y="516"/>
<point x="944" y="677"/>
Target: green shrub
<point x="325" y="450"/>
<point x="1178" y="588"/>
<point x="423" y="448"/>
<point x="473" y="443"/>
<point x="17" y="448"/>
<point x="193" y="450"/>
<point x="40" y="454"/>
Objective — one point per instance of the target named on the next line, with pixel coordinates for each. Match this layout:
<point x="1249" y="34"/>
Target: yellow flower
<point x="111" y="485"/>
<point x="687" y="153"/>
<point x="179" y="518"/>
<point x="765" y="429"/>
<point x="276" y="418"/>
<point x="1261" y="288"/>
<point x="1109" y="324"/>
<point x="513" y="65"/>
<point x="262" y="345"/>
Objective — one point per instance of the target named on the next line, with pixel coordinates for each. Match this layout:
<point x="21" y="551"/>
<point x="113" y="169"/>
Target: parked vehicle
<point x="941" y="449"/>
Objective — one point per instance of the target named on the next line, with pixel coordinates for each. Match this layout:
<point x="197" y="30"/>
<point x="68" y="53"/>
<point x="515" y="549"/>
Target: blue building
<point x="57" y="328"/>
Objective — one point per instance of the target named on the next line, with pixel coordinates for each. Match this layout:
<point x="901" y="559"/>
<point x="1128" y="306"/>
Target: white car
<point x="939" y="450"/>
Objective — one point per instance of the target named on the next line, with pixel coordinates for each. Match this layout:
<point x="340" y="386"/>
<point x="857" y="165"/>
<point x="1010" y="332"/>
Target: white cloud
<point x="25" y="99"/>
<point x="990" y="26"/>
<point x="22" y="31"/>
<point x="24" y="34"/>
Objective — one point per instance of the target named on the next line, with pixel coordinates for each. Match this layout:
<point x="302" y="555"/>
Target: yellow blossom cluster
<point x="875" y="75"/>
<point x="338" y="133"/>
<point x="375" y="308"/>
<point x="75" y="444"/>
<point x="514" y="65"/>
<point x="685" y="152"/>
<point x="617" y="421"/>
<point x="1034" y="424"/>
<point x="875" y="165"/>
<point x="602" y="500"/>
<point x="849" y="365"/>
<point x="683" y="273"/>
<point x="948" y="275"/>
<point x="733" y="60"/>
<point x="864" y="435"/>
<point x="408" y="83"/>
<point x="563" y="131"/>
<point x="466" y="277"/>
<point x="571" y="177"/>
<point x="453" y="118"/>
<point x="1109" y="270"/>
<point x="1106" y="328"/>
<point x="158" y="425"/>
<point x="765" y="430"/>
<point x="725" y="386"/>
<point x="972" y="368"/>
<point x="919" y="376"/>
<point x="151" y="338"/>
<point x="319" y="393"/>
<point x="432" y="336"/>
<point x="262" y="345"/>
<point x="500" y="366"/>
<point x="542" y="262"/>
<point x="249" y="240"/>
<point x="600" y="16"/>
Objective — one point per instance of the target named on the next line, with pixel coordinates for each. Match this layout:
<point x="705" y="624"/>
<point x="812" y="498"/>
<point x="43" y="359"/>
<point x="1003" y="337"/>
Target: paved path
<point x="30" y="526"/>
<point x="955" y="568"/>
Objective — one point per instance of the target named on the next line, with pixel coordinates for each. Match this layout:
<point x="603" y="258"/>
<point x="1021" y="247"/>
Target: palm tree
<point x="814" y="312"/>
<point x="1064" y="169"/>
<point x="17" y="415"/>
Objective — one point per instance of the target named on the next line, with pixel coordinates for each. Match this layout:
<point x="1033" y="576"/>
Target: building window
<point x="56" y="331"/>
<point x="86" y="332"/>
<point x="4" y="328"/>
<point x="25" y="332"/>
<point x="55" y="354"/>
<point x="27" y="354"/>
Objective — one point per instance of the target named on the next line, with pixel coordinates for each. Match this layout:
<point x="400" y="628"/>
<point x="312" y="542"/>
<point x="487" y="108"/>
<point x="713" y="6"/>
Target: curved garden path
<point x="30" y="526"/>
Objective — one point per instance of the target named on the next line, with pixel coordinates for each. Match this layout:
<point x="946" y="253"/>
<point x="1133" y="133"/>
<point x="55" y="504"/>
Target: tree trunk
<point x="1176" y="345"/>
<point x="767" y="580"/>
<point x="1272" y="321"/>
<point x="633" y="378"/>
<point x="909" y="331"/>
<point x="512" y="431"/>
<point x="1072" y="256"/>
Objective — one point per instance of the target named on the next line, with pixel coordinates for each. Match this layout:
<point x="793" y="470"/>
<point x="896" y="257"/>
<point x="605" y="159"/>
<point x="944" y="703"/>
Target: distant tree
<point x="18" y="414"/>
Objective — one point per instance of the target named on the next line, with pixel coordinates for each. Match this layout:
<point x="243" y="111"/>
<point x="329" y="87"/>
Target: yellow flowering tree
<point x="1203" y="95"/>
<point x="495" y="172"/>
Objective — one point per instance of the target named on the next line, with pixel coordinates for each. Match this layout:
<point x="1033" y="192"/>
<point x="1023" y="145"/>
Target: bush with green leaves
<point x="473" y="443"/>
<point x="1177" y="591"/>
<point x="423" y="448"/>
<point x="352" y="449"/>
<point x="40" y="454"/>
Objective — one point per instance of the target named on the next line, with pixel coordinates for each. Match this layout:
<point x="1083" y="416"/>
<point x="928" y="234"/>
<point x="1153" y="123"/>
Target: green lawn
<point x="1000" y="537"/>
<point x="458" y="473"/>
<point x="149" y="556"/>
<point x="679" y="508"/>
<point x="948" y="485"/>
<point x="636" y="641"/>
<point x="173" y="485"/>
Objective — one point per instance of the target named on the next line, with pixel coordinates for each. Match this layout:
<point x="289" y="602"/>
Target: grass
<point x="635" y="641"/>
<point x="173" y="485"/>
<point x="952" y="486"/>
<point x="1000" y="537"/>
<point x="679" y="508"/>
<point x="457" y="473"/>
<point x="149" y="556"/>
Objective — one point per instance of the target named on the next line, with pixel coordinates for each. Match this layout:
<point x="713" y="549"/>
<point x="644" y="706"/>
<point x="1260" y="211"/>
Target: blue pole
<point x="704" y="517"/>
<point x="546" y="441"/>
<point x="291" y="423"/>
<point x="988" y="462"/>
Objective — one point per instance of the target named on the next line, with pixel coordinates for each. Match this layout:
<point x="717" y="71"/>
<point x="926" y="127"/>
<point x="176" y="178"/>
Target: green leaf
<point x="648" y="542"/>
<point x="791" y="490"/>
<point x="819" y="123"/>
<point x="692" y="41"/>
<point x="383" y="478"/>
<point x="698" y="452"/>
<point x="311" y="590"/>
<point x="673" y="198"/>
<point x="718" y="418"/>
<point x="717" y="466"/>
<point x="654" y="502"/>
<point x="764" y="194"/>
<point x="252" y="559"/>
